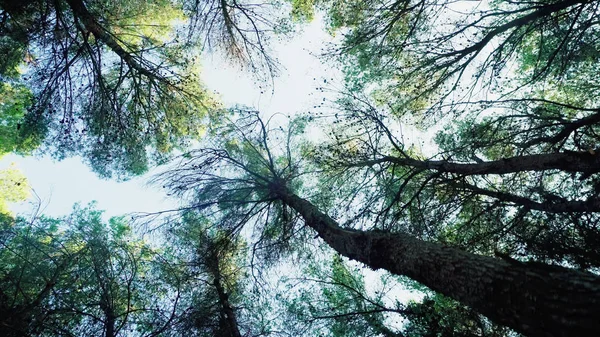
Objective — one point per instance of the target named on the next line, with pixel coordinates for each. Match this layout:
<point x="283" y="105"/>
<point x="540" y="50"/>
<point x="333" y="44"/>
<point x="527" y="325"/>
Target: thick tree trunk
<point x="585" y="162"/>
<point x="532" y="298"/>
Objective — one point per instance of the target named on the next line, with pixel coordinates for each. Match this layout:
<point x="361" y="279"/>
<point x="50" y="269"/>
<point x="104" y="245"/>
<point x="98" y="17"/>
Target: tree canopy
<point x="457" y="159"/>
<point x="118" y="82"/>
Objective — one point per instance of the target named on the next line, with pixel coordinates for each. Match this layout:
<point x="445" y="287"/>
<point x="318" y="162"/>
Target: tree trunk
<point x="532" y="298"/>
<point x="227" y="312"/>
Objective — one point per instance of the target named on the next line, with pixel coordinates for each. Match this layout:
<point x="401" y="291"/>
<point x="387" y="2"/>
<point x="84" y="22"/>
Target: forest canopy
<point x="457" y="161"/>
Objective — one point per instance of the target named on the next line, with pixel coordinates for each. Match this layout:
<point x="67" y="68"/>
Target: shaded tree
<point x="213" y="277"/>
<point x="523" y="204"/>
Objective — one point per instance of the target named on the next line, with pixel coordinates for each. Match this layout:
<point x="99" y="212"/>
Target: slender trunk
<point x="110" y="325"/>
<point x="560" y="205"/>
<point x="586" y="162"/>
<point x="226" y="309"/>
<point x="532" y="298"/>
<point x="110" y="319"/>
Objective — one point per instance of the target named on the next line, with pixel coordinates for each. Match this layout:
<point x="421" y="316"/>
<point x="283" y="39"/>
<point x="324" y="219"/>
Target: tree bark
<point x="532" y="298"/>
<point x="227" y="310"/>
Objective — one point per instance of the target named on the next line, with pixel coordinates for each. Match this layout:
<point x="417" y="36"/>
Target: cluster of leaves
<point x="13" y="188"/>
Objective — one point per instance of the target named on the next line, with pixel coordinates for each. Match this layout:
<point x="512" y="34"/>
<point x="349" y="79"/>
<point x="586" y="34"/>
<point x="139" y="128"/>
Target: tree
<point x="216" y="292"/>
<point x="211" y="257"/>
<point x="507" y="87"/>
<point x="118" y="82"/>
<point x="113" y="290"/>
<point x="78" y="276"/>
<point x="257" y="177"/>
<point x="521" y="204"/>
<point x="32" y="266"/>
<point x="426" y="51"/>
<point x="344" y="306"/>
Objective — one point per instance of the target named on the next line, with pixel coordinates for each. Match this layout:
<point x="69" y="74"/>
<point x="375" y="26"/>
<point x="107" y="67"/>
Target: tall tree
<point x="216" y="292"/>
<point x="507" y="87"/>
<point x="213" y="258"/>
<point x="519" y="203"/>
<point x="259" y="172"/>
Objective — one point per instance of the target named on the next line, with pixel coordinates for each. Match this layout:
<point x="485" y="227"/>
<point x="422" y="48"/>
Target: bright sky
<point x="59" y="185"/>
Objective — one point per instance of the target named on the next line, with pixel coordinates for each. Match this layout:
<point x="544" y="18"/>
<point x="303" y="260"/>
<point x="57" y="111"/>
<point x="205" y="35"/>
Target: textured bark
<point x="586" y="162"/>
<point x="532" y="298"/>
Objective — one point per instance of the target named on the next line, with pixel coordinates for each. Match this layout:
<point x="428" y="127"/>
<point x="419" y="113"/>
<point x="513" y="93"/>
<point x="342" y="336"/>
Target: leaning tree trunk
<point x="532" y="298"/>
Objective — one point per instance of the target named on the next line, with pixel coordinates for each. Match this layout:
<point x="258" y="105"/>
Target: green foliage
<point x="303" y="10"/>
<point x="13" y="52"/>
<point x="79" y="276"/>
<point x="504" y="86"/>
<point x="13" y="188"/>
<point x="112" y="81"/>
<point x="17" y="134"/>
<point x="141" y="22"/>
